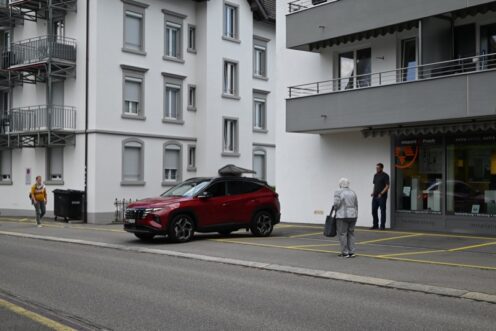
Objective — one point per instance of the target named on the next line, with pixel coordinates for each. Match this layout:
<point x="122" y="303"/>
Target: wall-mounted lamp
<point x="322" y="27"/>
<point x="380" y="58"/>
<point x="324" y="116"/>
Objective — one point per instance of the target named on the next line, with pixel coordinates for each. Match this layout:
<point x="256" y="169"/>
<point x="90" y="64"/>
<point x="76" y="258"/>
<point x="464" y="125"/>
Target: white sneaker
<point x="39" y="225"/>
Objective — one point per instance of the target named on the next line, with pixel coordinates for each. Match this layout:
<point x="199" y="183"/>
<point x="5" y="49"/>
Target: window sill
<point x="191" y="50"/>
<point x="133" y="51"/>
<point x="6" y="182"/>
<point x="172" y="59"/>
<point x="170" y="183"/>
<point x="191" y="169"/>
<point x="133" y="117"/>
<point x="257" y="130"/>
<point x="230" y="96"/>
<point x="171" y="121"/>
<point x="133" y="183"/>
<point x="233" y="40"/>
<point x="231" y="154"/>
<point x="54" y="182"/>
<point x="191" y="108"/>
<point x="265" y="78"/>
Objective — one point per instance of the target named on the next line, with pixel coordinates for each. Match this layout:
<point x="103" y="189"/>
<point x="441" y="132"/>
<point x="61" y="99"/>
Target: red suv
<point x="221" y="204"/>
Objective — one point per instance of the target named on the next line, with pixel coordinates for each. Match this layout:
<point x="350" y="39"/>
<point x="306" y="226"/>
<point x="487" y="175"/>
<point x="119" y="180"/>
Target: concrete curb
<point x="385" y="283"/>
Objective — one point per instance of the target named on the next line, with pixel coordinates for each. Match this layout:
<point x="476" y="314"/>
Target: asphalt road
<point x="132" y="291"/>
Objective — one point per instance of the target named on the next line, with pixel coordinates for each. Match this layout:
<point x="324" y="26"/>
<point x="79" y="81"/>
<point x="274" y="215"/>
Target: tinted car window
<point x="242" y="187"/>
<point x="217" y="189"/>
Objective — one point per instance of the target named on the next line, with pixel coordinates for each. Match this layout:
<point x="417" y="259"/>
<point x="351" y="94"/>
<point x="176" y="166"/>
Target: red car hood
<point x="157" y="202"/>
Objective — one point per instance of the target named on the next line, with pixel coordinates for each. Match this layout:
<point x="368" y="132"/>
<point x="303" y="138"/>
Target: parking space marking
<point x="388" y="239"/>
<point x="305" y="234"/>
<point x="34" y="316"/>
<point x="319" y="245"/>
<point x="449" y="264"/>
<point x="470" y="247"/>
<point x="411" y="253"/>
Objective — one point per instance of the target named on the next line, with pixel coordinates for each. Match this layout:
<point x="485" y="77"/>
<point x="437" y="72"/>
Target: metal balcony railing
<point x="42" y="49"/>
<point x="41" y="118"/>
<point x="397" y="76"/>
<point x="299" y="5"/>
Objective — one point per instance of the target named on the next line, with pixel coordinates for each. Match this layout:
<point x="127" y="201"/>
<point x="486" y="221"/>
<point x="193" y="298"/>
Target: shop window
<point x="471" y="175"/>
<point x="419" y="175"/>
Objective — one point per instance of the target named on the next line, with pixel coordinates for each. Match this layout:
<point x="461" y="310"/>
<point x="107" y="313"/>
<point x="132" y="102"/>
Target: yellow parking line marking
<point x="469" y="247"/>
<point x="247" y="243"/>
<point x="320" y="245"/>
<point x="388" y="239"/>
<point x="34" y="316"/>
<point x="411" y="253"/>
<point x="472" y="266"/>
<point x="306" y="234"/>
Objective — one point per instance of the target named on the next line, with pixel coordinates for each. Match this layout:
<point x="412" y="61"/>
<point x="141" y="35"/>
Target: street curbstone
<point x="480" y="297"/>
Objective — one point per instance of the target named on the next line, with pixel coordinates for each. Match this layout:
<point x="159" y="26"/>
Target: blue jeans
<point x="379" y="203"/>
<point x="40" y="208"/>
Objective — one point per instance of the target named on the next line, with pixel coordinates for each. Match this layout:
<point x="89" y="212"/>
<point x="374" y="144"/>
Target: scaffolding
<point x="44" y="59"/>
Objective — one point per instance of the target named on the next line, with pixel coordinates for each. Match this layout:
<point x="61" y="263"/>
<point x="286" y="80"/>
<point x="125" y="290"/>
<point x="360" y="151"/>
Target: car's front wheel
<point x="145" y="236"/>
<point x="262" y="224"/>
<point x="181" y="229"/>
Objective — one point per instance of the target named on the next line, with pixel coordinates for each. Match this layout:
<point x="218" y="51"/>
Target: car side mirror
<point x="205" y="195"/>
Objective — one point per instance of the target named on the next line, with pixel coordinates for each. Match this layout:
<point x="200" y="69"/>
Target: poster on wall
<point x="28" y="176"/>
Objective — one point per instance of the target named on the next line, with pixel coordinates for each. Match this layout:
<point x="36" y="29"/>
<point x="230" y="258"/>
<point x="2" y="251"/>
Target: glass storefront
<point x="446" y="175"/>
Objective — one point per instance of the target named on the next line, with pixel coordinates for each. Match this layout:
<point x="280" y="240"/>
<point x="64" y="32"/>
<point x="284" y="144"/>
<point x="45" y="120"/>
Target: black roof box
<point x="234" y="171"/>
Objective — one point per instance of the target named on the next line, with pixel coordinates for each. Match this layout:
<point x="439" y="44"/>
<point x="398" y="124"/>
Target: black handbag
<point x="330" y="229"/>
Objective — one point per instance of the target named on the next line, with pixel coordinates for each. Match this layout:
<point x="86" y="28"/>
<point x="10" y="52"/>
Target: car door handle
<point x="224" y="204"/>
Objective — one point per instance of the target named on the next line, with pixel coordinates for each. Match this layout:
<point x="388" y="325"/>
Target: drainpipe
<point x="87" y="55"/>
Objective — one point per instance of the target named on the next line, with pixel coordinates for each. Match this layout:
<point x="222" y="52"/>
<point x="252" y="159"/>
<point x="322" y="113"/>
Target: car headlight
<point x="149" y="211"/>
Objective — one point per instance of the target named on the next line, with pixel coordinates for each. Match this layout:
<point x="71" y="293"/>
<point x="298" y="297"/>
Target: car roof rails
<point x="231" y="170"/>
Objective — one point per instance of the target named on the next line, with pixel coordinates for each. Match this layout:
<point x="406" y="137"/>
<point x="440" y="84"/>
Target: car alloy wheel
<point x="182" y="229"/>
<point x="263" y="224"/>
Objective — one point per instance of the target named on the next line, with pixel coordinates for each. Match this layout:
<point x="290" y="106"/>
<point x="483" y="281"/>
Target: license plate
<point x="130" y="221"/>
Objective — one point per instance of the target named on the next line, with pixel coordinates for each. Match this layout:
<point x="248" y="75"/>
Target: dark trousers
<point x="379" y="203"/>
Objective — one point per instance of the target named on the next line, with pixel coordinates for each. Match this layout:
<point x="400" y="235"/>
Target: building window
<point x="260" y="164"/>
<point x="259" y="115"/>
<point x="192" y="97"/>
<point x="230" y="78"/>
<point x="231" y="21"/>
<point x="192" y="158"/>
<point x="230" y="138"/>
<point x="134" y="27"/>
<point x="172" y="40"/>
<point x="192" y="38"/>
<point x="5" y="166"/>
<point x="260" y="57"/>
<point x="172" y="163"/>
<point x="133" y="88"/>
<point x="132" y="162"/>
<point x="55" y="165"/>
<point x="173" y="36"/>
<point x="355" y="68"/>
<point x="59" y="28"/>
<point x="172" y="101"/>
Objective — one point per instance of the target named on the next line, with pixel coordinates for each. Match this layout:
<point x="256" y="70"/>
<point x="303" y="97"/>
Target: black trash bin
<point x="68" y="204"/>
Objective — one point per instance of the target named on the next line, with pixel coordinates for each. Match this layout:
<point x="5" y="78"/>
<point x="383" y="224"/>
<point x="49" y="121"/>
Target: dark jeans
<point x="376" y="204"/>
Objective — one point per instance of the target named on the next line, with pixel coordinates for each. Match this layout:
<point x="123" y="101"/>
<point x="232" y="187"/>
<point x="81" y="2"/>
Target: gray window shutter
<point x="172" y="158"/>
<point x="56" y="162"/>
<point x="132" y="91"/>
<point x="133" y="30"/>
<point x="5" y="163"/>
<point x="132" y="155"/>
<point x="259" y="165"/>
<point x="58" y="93"/>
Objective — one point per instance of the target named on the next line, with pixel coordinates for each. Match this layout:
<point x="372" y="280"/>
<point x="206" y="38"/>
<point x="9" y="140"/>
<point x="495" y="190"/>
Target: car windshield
<point x="187" y="189"/>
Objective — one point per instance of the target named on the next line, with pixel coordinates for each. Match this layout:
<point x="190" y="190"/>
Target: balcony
<point x="38" y="9"/>
<point x="312" y="24"/>
<point x="38" y="126"/>
<point x="459" y="89"/>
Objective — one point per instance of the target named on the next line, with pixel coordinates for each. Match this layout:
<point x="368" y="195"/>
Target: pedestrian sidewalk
<point x="465" y="263"/>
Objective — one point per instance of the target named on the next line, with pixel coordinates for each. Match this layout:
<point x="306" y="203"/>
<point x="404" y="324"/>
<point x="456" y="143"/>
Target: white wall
<point x="308" y="165"/>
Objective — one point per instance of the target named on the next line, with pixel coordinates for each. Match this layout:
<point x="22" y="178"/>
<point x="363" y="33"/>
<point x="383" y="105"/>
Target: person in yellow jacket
<point x="39" y="199"/>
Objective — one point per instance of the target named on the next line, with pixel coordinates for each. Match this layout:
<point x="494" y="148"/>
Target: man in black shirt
<point x="379" y="196"/>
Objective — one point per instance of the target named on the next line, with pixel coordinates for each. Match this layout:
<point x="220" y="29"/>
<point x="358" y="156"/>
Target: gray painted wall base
<point x="93" y="218"/>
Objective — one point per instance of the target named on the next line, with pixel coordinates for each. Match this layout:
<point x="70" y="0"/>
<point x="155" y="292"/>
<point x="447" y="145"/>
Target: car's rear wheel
<point x="182" y="228"/>
<point x="262" y="224"/>
<point x="145" y="236"/>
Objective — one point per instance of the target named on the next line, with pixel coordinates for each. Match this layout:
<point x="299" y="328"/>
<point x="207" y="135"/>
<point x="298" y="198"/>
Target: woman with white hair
<point x="346" y="206"/>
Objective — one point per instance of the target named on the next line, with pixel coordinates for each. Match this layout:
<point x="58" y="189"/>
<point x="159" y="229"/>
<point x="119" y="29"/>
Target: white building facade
<point x="407" y="84"/>
<point x="146" y="94"/>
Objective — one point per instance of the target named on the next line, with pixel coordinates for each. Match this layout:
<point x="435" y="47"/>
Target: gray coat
<point x="346" y="203"/>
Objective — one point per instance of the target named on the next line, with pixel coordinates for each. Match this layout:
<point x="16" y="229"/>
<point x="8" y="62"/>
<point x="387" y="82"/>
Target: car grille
<point x="134" y="214"/>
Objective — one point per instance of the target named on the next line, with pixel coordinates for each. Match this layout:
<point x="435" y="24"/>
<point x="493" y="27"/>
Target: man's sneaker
<point x="39" y="225"/>
<point x="342" y="255"/>
<point x="374" y="228"/>
<point x="349" y="256"/>
<point x="383" y="228"/>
